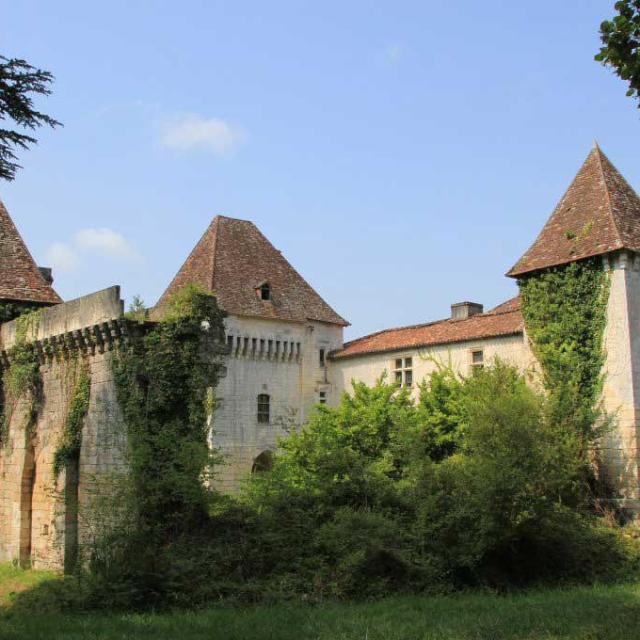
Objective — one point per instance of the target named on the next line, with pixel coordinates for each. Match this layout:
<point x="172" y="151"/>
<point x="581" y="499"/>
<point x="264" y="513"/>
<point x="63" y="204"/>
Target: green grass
<point x="14" y="580"/>
<point x="585" y="613"/>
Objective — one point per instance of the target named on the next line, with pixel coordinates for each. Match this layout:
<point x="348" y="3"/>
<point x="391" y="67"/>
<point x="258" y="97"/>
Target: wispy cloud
<point x="391" y="54"/>
<point x="194" y="132"/>
<point x="62" y="257"/>
<point x="69" y="256"/>
<point x="105" y="241"/>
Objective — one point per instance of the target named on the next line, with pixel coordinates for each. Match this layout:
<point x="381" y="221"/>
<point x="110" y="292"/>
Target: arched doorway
<point x="264" y="462"/>
<point x="27" y="484"/>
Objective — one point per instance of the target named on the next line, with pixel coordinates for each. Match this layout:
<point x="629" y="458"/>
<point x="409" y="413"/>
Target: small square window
<point x="477" y="359"/>
<point x="264" y="291"/>
<point x="403" y="371"/>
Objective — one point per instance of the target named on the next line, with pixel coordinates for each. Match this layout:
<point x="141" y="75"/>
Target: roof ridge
<point x="216" y="221"/>
<point x="599" y="154"/>
<point x="488" y="314"/>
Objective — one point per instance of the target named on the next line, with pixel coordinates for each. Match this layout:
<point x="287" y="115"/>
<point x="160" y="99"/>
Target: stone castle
<point x="285" y="353"/>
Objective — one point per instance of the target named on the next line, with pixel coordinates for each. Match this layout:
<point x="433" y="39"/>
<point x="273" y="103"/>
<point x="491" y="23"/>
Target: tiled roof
<point x="20" y="278"/>
<point x="599" y="213"/>
<point x="233" y="259"/>
<point x="504" y="320"/>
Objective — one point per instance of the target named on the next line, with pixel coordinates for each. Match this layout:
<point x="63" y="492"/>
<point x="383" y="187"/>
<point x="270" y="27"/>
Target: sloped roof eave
<point x="335" y="355"/>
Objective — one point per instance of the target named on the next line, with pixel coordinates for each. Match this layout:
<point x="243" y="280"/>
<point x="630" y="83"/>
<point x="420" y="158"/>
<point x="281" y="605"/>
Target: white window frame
<point x="402" y="368"/>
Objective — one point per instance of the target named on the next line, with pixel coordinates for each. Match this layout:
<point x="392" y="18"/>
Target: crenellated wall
<point x="38" y="511"/>
<point x="282" y="360"/>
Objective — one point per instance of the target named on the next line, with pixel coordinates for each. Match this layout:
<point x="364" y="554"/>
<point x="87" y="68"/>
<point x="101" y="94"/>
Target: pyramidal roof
<point x="20" y="278"/>
<point x="233" y="260"/>
<point x="599" y="213"/>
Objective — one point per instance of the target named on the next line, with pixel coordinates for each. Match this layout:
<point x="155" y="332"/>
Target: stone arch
<point x="263" y="462"/>
<point x="27" y="484"/>
<point x="71" y="485"/>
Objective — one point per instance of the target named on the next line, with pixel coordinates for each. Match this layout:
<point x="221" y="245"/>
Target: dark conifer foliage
<point x="19" y="83"/>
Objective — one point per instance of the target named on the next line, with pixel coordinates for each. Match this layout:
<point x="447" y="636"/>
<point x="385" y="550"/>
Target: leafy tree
<point x="19" y="82"/>
<point x="621" y="39"/>
<point x="441" y="414"/>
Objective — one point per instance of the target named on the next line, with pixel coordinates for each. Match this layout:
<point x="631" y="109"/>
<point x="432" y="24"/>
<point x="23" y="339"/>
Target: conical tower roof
<point x="599" y="213"/>
<point x="20" y="278"/>
<point x="233" y="259"/>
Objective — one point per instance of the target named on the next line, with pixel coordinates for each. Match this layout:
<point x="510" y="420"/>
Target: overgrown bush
<point x="474" y="485"/>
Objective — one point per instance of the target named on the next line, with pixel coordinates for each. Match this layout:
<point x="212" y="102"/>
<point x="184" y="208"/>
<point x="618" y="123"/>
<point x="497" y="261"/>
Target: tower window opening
<point x="265" y="291"/>
<point x="264" y="408"/>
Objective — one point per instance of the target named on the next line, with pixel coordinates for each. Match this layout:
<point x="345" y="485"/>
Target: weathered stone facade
<point x="39" y="512"/>
<point x="281" y="360"/>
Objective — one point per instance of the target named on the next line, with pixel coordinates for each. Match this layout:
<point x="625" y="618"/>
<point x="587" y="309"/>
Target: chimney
<point x="46" y="274"/>
<point x="464" y="310"/>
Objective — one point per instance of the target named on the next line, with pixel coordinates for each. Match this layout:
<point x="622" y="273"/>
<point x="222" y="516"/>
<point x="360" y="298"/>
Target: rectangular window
<point x="477" y="359"/>
<point x="322" y="357"/>
<point x="322" y="397"/>
<point x="263" y="408"/>
<point x="403" y="372"/>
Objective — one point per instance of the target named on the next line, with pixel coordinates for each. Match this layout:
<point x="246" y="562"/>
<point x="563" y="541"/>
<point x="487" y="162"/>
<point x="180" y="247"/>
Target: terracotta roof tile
<point x="599" y="213"/>
<point x="233" y="259"/>
<point x="20" y="278"/>
<point x="504" y="320"/>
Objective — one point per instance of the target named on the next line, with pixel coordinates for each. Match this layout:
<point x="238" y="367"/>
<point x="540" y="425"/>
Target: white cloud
<point x="62" y="257"/>
<point x="191" y="132"/>
<point x="392" y="53"/>
<point x="68" y="256"/>
<point x="105" y="241"/>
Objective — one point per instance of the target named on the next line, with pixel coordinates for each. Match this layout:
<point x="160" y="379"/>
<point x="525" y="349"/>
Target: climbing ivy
<point x="11" y="310"/>
<point x="564" y="310"/>
<point x="162" y="379"/>
<point x="71" y="441"/>
<point x="22" y="378"/>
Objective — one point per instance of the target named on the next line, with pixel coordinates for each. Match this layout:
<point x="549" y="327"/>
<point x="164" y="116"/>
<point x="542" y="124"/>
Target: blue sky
<point x="402" y="155"/>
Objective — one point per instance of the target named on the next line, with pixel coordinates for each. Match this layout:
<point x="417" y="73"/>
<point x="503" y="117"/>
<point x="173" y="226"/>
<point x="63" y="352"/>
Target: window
<point x="403" y="372"/>
<point x="264" y="402"/>
<point x="265" y="291"/>
<point x="322" y="357"/>
<point x="477" y="359"/>
<point x="322" y="397"/>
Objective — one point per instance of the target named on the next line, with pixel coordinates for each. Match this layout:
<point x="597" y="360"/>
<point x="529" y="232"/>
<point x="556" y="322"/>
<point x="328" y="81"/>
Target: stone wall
<point x="621" y="392"/>
<point x="38" y="512"/>
<point x="282" y="360"/>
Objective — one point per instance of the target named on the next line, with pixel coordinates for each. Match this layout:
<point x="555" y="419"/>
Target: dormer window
<point x="264" y="291"/>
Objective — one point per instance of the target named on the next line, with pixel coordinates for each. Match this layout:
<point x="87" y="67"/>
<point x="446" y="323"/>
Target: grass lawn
<point x="587" y="613"/>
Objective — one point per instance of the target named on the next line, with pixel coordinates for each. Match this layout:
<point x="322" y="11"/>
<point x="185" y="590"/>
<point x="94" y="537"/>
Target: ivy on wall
<point x="22" y="379"/>
<point x="163" y="380"/>
<point x="564" y="310"/>
<point x="70" y="443"/>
